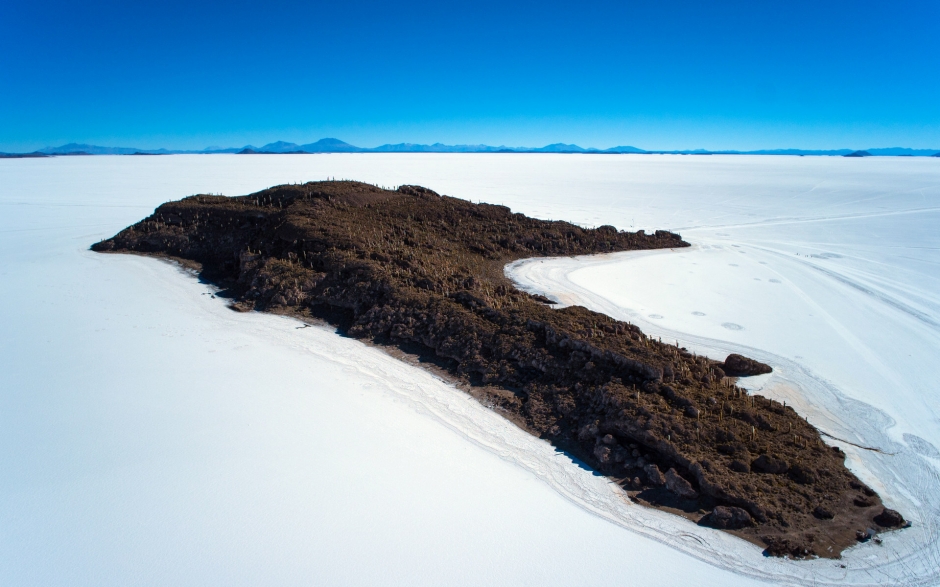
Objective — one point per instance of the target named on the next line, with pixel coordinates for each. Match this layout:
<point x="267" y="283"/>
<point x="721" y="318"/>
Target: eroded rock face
<point x="424" y="272"/>
<point x="738" y="366"/>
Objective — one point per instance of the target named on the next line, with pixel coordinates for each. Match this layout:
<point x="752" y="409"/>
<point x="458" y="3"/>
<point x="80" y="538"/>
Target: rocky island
<point x="423" y="274"/>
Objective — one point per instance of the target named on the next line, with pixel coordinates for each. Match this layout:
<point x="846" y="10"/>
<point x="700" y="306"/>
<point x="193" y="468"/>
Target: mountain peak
<point x="560" y="148"/>
<point x="330" y="145"/>
<point x="280" y="147"/>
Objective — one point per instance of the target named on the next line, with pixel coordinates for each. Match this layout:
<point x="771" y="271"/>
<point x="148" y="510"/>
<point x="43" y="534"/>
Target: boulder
<point x="889" y="519"/>
<point x="739" y="366"/>
<point x="739" y="466"/>
<point x="654" y="475"/>
<point x="676" y="484"/>
<point x="728" y="518"/>
<point x="863" y="501"/>
<point x="769" y="464"/>
<point x="802" y="475"/>
<point x="619" y="454"/>
<point x="788" y="547"/>
<point x="823" y="513"/>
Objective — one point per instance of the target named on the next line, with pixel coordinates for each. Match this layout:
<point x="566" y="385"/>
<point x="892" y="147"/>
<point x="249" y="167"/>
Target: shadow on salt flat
<point x="576" y="461"/>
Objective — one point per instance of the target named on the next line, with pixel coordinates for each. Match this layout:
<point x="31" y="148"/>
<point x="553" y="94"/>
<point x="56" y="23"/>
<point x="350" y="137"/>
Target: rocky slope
<point x="424" y="273"/>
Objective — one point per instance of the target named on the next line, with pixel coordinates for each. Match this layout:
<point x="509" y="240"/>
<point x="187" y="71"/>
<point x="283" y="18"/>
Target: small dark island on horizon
<point x="422" y="274"/>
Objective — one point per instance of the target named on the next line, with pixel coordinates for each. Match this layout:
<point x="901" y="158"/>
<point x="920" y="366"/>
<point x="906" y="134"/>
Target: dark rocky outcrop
<point x="769" y="464"/>
<point x="890" y="519"/>
<point x="738" y="366"/>
<point x="783" y="546"/>
<point x="823" y="513"/>
<point x="728" y="518"/>
<point x="423" y="273"/>
<point x="802" y="474"/>
<point x="863" y="501"/>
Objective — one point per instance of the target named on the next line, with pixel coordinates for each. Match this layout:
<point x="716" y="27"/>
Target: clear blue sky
<point x="657" y="75"/>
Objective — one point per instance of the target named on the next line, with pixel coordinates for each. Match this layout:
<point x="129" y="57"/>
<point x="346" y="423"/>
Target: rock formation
<point x="424" y="273"/>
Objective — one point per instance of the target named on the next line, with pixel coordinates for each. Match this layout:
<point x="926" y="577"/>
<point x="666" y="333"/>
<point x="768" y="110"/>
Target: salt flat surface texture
<point x="151" y="436"/>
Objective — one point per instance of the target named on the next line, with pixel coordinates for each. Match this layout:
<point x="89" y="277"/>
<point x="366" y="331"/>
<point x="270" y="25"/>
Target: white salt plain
<point x="148" y="435"/>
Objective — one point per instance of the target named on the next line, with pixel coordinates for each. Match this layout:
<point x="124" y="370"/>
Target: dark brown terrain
<point x="424" y="273"/>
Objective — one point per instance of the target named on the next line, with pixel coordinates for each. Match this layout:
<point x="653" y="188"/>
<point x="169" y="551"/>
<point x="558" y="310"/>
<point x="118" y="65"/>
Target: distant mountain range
<point x="338" y="146"/>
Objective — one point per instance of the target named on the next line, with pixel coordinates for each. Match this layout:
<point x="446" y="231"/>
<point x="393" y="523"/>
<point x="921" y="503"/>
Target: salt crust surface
<point x="151" y="436"/>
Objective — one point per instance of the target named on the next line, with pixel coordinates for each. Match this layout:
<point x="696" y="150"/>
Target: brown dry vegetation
<point x="424" y="272"/>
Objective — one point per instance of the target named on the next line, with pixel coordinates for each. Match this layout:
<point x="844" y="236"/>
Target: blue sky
<point x="657" y="75"/>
